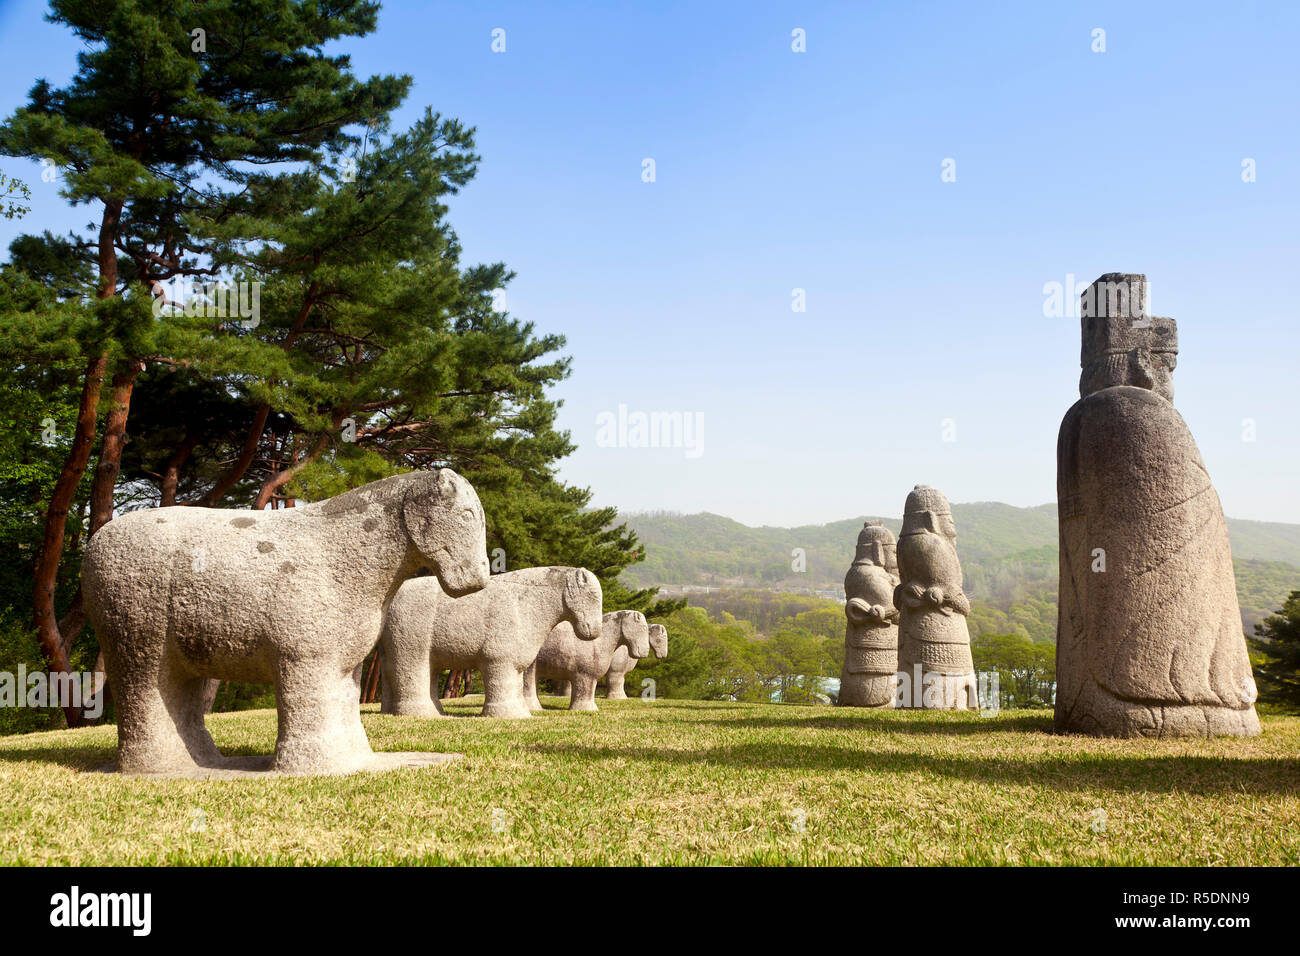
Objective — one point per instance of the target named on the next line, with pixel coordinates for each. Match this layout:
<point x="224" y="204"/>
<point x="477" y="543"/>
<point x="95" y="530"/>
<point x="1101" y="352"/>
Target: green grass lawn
<point x="679" y="782"/>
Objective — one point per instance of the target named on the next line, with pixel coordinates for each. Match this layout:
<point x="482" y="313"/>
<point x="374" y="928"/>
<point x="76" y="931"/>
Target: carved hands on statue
<point x="883" y="614"/>
<point x="908" y="595"/>
<point x="917" y="597"/>
<point x="948" y="602"/>
<point x="933" y="597"/>
<point x="860" y="612"/>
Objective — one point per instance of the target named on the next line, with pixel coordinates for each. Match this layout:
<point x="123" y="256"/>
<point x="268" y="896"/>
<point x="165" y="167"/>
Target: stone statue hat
<point x="873" y="531"/>
<point x="922" y="505"/>
<point x="1114" y="317"/>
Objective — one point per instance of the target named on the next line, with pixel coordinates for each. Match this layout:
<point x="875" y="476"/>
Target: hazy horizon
<point x="674" y="513"/>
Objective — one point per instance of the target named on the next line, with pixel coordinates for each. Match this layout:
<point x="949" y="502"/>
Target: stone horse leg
<point x="319" y="718"/>
<point x="503" y="690"/>
<point x="583" y="694"/>
<point x="160" y="721"/>
<point x="530" y="688"/>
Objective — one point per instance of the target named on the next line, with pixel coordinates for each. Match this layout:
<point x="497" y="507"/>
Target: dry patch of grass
<point x="679" y="782"/>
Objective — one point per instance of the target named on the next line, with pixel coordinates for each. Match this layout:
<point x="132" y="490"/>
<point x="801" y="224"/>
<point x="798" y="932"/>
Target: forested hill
<point x="1009" y="554"/>
<point x="713" y="550"/>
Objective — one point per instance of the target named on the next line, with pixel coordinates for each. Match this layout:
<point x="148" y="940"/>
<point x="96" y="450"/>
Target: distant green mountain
<point x="1265" y="541"/>
<point x="1009" y="556"/>
<point x="709" y="549"/>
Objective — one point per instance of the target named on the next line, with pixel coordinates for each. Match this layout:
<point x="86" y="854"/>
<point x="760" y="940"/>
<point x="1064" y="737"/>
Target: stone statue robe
<point x="870" y="637"/>
<point x="1152" y="645"/>
<point x="933" y="631"/>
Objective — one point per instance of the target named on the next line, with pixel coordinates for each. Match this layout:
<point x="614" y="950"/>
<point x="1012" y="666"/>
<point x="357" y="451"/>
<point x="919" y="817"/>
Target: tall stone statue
<point x="933" y="639"/>
<point x="1149" y="641"/>
<point x="871" y="635"/>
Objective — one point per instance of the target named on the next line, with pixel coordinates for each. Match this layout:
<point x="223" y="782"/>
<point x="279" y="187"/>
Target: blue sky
<point x="821" y="171"/>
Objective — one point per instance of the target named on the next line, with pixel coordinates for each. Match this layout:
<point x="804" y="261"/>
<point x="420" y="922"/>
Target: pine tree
<point x="169" y="107"/>
<point x="220" y="143"/>
<point x="1277" y="642"/>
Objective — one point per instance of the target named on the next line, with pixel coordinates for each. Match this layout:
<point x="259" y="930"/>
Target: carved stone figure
<point x="1149" y="638"/>
<point x="624" y="663"/>
<point x="294" y="597"/>
<point x="496" y="631"/>
<point x="933" y="639"/>
<point x="564" y="657"/>
<point x="871" y="634"/>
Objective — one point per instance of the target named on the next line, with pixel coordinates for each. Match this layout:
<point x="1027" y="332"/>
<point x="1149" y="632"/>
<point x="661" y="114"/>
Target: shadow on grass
<point x="74" y="758"/>
<point x="1202" y="776"/>
<point x="900" y="724"/>
<point x="669" y="703"/>
<point x="837" y="718"/>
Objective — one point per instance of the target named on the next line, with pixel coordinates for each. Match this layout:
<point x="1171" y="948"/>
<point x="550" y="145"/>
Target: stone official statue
<point x="933" y="639"/>
<point x="1149" y="640"/>
<point x="871" y="635"/>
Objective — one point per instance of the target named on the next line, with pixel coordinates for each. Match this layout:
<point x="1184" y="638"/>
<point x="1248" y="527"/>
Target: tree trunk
<point x="110" y="452"/>
<point x="172" y="473"/>
<point x="103" y="486"/>
<point x="65" y="488"/>
<point x="71" y="624"/>
<point x="457" y="683"/>
<point x="56" y="522"/>
<point x="281" y="478"/>
<point x="242" y="463"/>
<point x="370" y="685"/>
